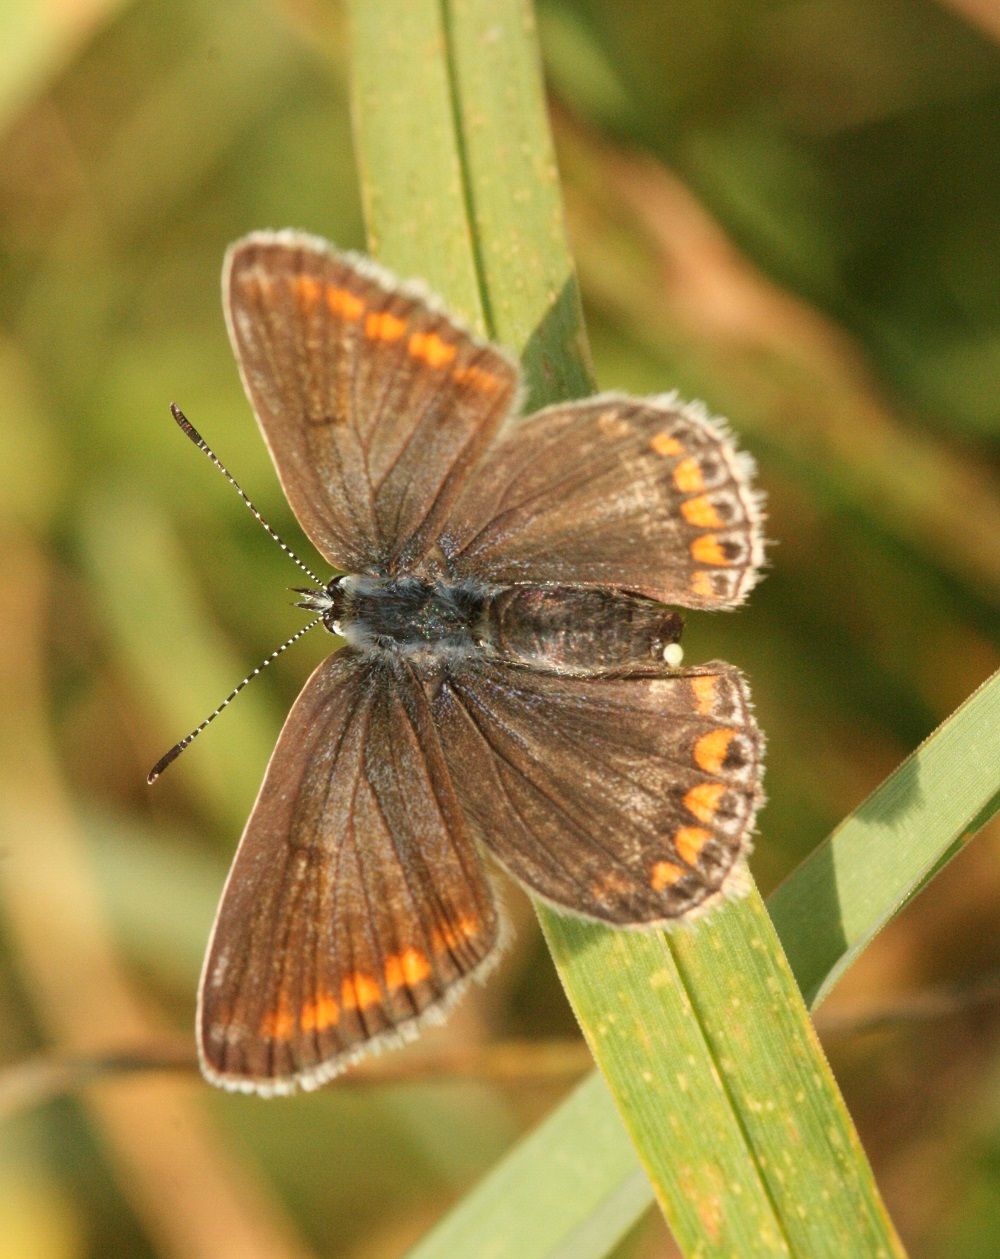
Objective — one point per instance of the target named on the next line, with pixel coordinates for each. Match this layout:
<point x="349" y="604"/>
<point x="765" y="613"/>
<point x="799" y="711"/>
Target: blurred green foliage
<point x="786" y="209"/>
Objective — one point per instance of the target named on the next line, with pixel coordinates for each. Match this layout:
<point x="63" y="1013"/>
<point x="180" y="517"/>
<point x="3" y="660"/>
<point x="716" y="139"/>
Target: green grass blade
<point x="706" y="1044"/>
<point x="714" y="1101"/>
<point x="528" y="286"/>
<point x="404" y="126"/>
<point x="849" y="887"/>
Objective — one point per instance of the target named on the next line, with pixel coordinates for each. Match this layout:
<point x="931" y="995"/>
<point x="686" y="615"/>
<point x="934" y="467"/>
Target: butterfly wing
<point x="356" y="904"/>
<point x="647" y="495"/>
<point x="374" y="403"/>
<point x="630" y="800"/>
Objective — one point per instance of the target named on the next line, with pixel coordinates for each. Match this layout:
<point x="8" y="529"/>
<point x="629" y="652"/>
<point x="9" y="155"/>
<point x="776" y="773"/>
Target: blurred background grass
<point x="789" y="210"/>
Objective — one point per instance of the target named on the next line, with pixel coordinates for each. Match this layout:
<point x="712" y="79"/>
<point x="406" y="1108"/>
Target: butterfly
<point x="508" y="687"/>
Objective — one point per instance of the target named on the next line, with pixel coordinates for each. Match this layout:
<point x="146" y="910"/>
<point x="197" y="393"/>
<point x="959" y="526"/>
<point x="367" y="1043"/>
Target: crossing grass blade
<point x="849" y="887"/>
<point x="702" y="1036"/>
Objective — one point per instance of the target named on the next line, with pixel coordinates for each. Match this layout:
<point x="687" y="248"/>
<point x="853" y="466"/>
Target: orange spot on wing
<point x="689" y="841"/>
<point x="358" y="991"/>
<point x="664" y="444"/>
<point x="703" y="800"/>
<point x="307" y="291"/>
<point x="256" y="284"/>
<point x="451" y="934"/>
<point x="609" y="885"/>
<point x="706" y="691"/>
<point x="343" y="302"/>
<point x="381" y="326"/>
<point x="701" y="512"/>
<point x="688" y="478"/>
<point x="278" y="1024"/>
<point x="319" y="1014"/>
<point x="708" y="550"/>
<point x="406" y="969"/>
<point x="476" y="378"/>
<point x="711" y="749"/>
<point x="701" y="584"/>
<point x="429" y="347"/>
<point x="665" y="874"/>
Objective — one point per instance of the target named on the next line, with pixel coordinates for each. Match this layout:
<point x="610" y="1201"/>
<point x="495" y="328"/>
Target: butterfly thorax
<point x="566" y="629"/>
<point x="403" y="615"/>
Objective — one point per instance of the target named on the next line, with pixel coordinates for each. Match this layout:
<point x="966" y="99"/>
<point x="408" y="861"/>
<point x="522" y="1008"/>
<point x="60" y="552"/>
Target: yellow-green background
<point x="788" y="210"/>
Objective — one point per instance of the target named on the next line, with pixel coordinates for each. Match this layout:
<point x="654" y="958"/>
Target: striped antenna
<point x="187" y="427"/>
<point x="188" y="739"/>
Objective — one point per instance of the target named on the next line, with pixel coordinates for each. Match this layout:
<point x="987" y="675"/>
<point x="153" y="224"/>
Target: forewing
<point x="374" y="403"/>
<point x="630" y="800"/>
<point x="647" y="495"/>
<point x="356" y="903"/>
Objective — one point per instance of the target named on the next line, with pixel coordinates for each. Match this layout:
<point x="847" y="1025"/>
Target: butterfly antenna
<point x="187" y="427"/>
<point x="188" y="739"/>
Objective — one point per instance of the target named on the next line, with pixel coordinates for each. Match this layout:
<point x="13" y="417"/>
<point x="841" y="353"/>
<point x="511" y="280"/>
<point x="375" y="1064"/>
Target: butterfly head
<point x="328" y="601"/>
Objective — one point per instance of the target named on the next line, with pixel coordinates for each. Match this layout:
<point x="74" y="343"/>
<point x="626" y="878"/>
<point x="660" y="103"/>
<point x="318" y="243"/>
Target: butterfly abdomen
<point x="579" y="629"/>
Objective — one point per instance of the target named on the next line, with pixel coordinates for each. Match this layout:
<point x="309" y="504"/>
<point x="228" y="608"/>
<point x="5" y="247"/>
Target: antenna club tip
<point x="185" y="424"/>
<point x="164" y="761"/>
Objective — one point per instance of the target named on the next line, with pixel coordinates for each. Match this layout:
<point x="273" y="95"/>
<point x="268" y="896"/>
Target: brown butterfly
<point x="509" y="681"/>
